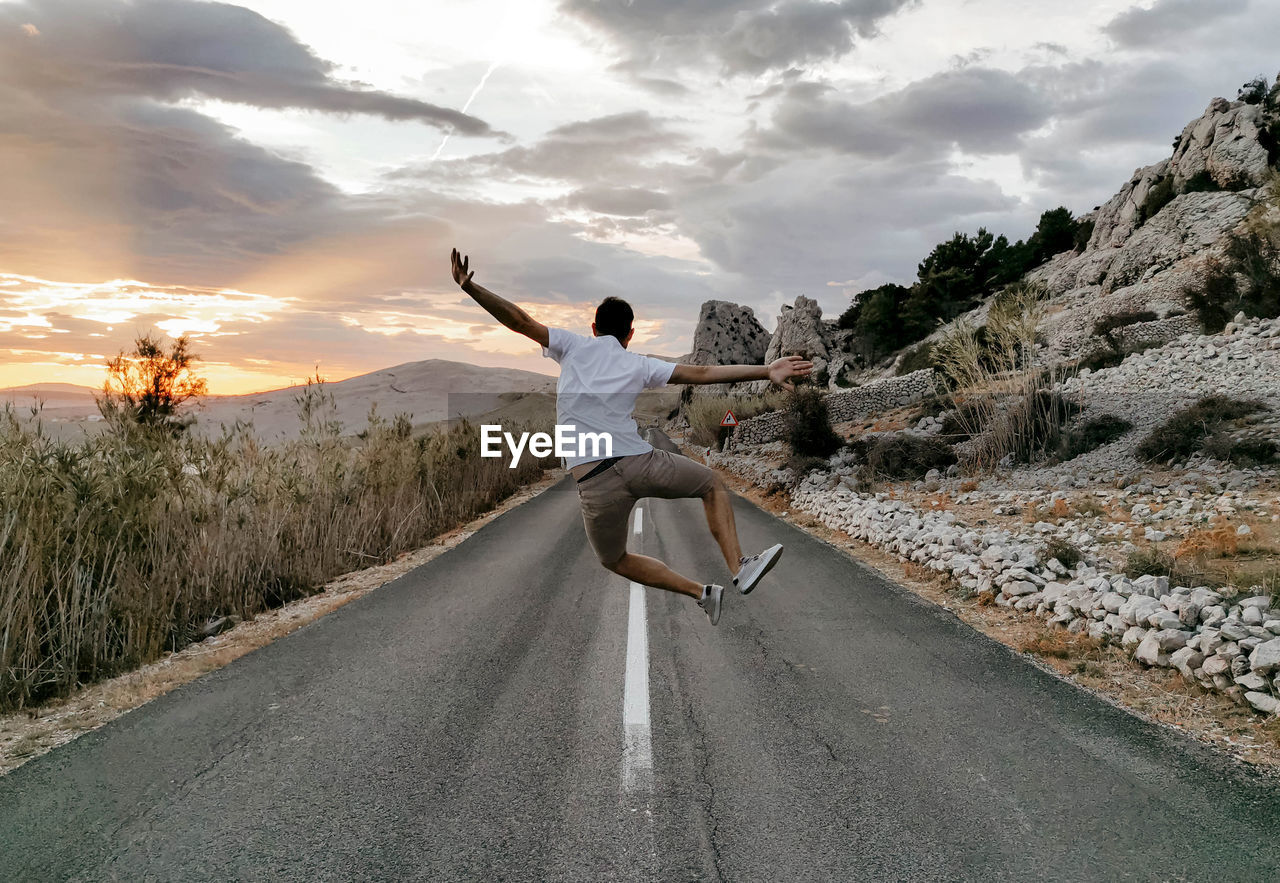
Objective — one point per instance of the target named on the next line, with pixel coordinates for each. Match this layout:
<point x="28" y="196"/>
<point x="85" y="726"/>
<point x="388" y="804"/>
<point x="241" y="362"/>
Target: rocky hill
<point x="1149" y="244"/>
<point x="1133" y="497"/>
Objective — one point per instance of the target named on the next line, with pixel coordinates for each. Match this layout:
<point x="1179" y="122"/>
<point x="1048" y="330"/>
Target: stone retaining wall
<point x="1131" y="338"/>
<point x="849" y="404"/>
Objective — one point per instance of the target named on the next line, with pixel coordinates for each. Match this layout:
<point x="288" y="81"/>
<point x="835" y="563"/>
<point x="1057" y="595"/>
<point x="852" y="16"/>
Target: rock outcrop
<point x="802" y="332"/>
<point x="1223" y="144"/>
<point x="1150" y="243"/>
<point x="728" y="334"/>
<point x="1151" y="240"/>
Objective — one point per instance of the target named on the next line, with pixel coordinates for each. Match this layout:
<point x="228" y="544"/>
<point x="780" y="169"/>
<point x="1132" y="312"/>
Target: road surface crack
<point x="809" y="732"/>
<point x="704" y="774"/>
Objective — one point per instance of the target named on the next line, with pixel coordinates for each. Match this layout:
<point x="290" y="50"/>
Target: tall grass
<point x="1002" y="392"/>
<point x="119" y="547"/>
<point x="704" y="413"/>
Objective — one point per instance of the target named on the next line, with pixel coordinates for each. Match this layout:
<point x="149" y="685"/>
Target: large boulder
<point x="802" y="332"/>
<point x="728" y="334"/>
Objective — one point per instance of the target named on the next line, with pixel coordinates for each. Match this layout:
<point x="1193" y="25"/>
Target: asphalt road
<point x="466" y="722"/>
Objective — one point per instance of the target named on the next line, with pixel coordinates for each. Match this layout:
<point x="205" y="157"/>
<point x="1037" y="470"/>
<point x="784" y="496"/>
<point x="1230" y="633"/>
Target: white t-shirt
<point x="599" y="382"/>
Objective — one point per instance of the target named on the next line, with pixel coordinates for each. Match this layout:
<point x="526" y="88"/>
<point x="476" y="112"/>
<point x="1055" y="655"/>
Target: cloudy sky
<point x="283" y="179"/>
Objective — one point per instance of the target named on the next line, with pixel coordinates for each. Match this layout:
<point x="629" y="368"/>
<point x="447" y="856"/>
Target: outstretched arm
<point x="500" y="308"/>
<point x="780" y="372"/>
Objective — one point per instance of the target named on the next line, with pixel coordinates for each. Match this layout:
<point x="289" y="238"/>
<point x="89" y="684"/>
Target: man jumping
<point x="599" y="382"/>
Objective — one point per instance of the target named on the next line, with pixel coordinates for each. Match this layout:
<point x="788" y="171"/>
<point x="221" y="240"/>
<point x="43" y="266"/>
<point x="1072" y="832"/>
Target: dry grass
<point x="119" y="548"/>
<point x="704" y="413"/>
<point x="1061" y="644"/>
<point x="1219" y="541"/>
<point x="1089" y="507"/>
<point x="1003" y="397"/>
<point x="34" y="731"/>
<point x="938" y="502"/>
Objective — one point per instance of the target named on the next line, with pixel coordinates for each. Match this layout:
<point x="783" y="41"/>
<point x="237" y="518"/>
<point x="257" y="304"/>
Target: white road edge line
<point x="639" y="521"/>
<point x="637" y="747"/>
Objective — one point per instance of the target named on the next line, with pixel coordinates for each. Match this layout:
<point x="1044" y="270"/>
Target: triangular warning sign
<point x="729" y="419"/>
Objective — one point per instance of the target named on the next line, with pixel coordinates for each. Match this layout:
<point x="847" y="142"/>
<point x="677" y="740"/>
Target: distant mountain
<point x="58" y="401"/>
<point x="428" y="391"/>
<point x="47" y="389"/>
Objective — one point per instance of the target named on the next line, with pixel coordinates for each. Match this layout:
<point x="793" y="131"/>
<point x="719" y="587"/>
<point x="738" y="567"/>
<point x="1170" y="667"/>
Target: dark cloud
<point x="153" y="191"/>
<point x="168" y="50"/>
<point x="606" y="149"/>
<point x="113" y="179"/>
<point x="820" y="219"/>
<point x="742" y="37"/>
<point x="979" y="110"/>
<point x="1168" y="20"/>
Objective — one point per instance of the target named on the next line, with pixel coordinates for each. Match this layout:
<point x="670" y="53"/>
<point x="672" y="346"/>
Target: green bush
<point x="1186" y="432"/>
<point x="1214" y="297"/>
<point x="1149" y="561"/>
<point x="1091" y="434"/>
<point x="1250" y="451"/>
<point x="903" y="455"/>
<point x="808" y="424"/>
<point x="1084" y="232"/>
<point x="917" y="358"/>
<point x="1254" y="92"/>
<point x="964" y="422"/>
<point x="1035" y="423"/>
<point x="1108" y="357"/>
<point x="1254" y="257"/>
<point x="1067" y="553"/>
<point x="931" y="405"/>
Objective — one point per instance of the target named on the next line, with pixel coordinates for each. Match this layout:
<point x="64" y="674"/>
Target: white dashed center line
<point x="637" y="749"/>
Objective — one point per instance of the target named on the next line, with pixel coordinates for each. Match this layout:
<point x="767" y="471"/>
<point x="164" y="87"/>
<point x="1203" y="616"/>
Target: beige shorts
<point x="608" y="497"/>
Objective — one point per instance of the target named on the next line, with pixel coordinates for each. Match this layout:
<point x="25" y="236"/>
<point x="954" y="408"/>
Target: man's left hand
<point x="781" y="371"/>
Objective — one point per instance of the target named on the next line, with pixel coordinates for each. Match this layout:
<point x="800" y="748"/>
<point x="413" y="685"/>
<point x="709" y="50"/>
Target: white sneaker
<point x="752" y="568"/>
<point x="710" y="602"/>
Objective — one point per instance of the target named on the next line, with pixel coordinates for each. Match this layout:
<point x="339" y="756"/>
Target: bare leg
<point x="719" y="508"/>
<point x="652" y="572"/>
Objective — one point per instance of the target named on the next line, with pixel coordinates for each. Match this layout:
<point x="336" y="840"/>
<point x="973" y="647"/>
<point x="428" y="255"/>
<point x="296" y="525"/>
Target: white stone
<point x="1149" y="652"/>
<point x="1186" y="660"/>
<point x="1266" y="657"/>
<point x="1263" y="703"/>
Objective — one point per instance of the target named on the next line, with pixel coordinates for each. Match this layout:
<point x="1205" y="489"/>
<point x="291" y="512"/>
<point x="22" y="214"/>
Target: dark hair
<point x="614" y="316"/>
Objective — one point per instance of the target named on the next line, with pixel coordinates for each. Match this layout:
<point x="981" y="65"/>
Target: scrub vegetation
<point x="121" y="546"/>
<point x="704" y="413"/>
